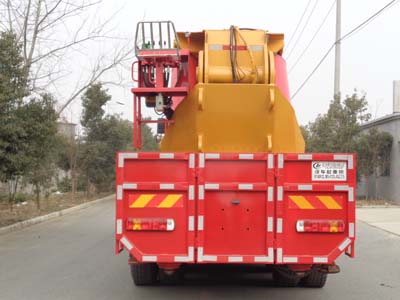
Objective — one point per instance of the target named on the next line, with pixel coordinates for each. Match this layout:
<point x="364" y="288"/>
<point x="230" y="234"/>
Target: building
<point x="388" y="185"/>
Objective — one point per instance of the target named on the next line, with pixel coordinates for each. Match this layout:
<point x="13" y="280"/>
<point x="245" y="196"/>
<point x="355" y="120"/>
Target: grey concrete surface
<point x="72" y="257"/>
<point x="384" y="218"/>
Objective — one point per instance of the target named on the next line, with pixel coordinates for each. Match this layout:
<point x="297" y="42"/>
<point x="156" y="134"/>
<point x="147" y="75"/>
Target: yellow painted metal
<point x="329" y="202"/>
<point x="142" y="201"/>
<point x="218" y="115"/>
<point x="170" y="201"/>
<point x="301" y="202"/>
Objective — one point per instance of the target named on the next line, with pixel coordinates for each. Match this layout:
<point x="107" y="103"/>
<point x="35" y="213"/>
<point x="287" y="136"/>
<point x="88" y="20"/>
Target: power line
<point x="302" y="31"/>
<point x="347" y="35"/>
<point x="298" y="24"/>
<point x="312" y="39"/>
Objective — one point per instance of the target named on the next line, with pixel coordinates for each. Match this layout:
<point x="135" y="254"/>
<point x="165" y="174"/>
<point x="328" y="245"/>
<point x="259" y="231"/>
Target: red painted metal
<point x="235" y="208"/>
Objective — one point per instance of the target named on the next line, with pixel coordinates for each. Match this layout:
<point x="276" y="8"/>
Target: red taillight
<point x="150" y="224"/>
<point x="330" y="226"/>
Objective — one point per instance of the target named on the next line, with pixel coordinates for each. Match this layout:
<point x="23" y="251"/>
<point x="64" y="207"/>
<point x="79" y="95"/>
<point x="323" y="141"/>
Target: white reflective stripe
<point x="191" y="192"/>
<point x="344" y="245"/>
<point x="269" y="258"/>
<point x="201" y="160"/>
<point x="191" y="161"/>
<point x="350" y="164"/>
<point x="304" y="157"/>
<point x="235" y="258"/>
<point x="349" y="159"/>
<point x="279" y="255"/>
<point x="351" y="230"/>
<point x="200" y="223"/>
<point x="167" y="186"/>
<point x="280" y="193"/>
<point x="341" y="188"/>
<point x="119" y="226"/>
<point x="270" y="226"/>
<point x="245" y="186"/>
<point x="126" y="243"/>
<point x="191" y="223"/>
<point x="129" y="186"/>
<point x="279" y="225"/>
<point x="321" y="259"/>
<point x="351" y="194"/>
<point x="123" y="156"/>
<point x="270" y="161"/>
<point x="215" y="47"/>
<point x="212" y="156"/>
<point x="120" y="192"/>
<point x="202" y="258"/>
<point x="256" y="47"/>
<point x="211" y="186"/>
<point x="280" y="161"/>
<point x="305" y="187"/>
<point x="201" y="192"/>
<point x="290" y="259"/>
<point x="246" y="156"/>
<point x="270" y="193"/>
<point x="149" y="258"/>
<point x="167" y="155"/>
<point x="188" y="258"/>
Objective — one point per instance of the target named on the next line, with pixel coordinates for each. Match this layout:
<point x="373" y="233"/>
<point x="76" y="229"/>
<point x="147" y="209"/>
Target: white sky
<point x="370" y="58"/>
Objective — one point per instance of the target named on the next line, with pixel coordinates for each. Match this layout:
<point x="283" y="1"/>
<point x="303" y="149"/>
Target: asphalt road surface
<point x="72" y="257"/>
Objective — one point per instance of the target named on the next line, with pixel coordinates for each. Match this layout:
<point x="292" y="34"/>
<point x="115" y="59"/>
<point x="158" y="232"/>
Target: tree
<point x="50" y="30"/>
<point x="13" y="88"/>
<point x="338" y="129"/>
<point x="40" y="123"/>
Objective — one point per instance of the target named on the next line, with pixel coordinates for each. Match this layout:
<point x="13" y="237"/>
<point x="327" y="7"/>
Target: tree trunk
<point x="37" y="193"/>
<point x="73" y="183"/>
<point x="366" y="187"/>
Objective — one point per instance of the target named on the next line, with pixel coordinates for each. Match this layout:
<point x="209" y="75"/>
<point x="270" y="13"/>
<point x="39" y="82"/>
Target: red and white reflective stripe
<point x="191" y="192"/>
<point x="201" y="192"/>
<point x="201" y="160"/>
<point x="246" y="156"/>
<point x="167" y="186"/>
<point x="351" y="230"/>
<point x="123" y="156"/>
<point x="270" y="194"/>
<point x="191" y="161"/>
<point x="245" y="186"/>
<point x="280" y="193"/>
<point x="279" y="225"/>
<point x="205" y="258"/>
<point x="188" y="258"/>
<point x="305" y="187"/>
<point x="349" y="159"/>
<point x="200" y="223"/>
<point x="191" y="223"/>
<point x="344" y="244"/>
<point x="320" y="259"/>
<point x="149" y="258"/>
<point x="304" y="156"/>
<point x="127" y="244"/>
<point x="211" y="186"/>
<point x="119" y="226"/>
<point x="280" y="161"/>
<point x="212" y="156"/>
<point x="167" y="156"/>
<point x="270" y="161"/>
<point x="270" y="224"/>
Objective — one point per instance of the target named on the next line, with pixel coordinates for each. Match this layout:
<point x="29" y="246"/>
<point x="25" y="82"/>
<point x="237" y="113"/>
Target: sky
<point x="370" y="59"/>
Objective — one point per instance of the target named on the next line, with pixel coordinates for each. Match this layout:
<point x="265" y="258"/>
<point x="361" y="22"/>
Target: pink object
<point x="281" y="76"/>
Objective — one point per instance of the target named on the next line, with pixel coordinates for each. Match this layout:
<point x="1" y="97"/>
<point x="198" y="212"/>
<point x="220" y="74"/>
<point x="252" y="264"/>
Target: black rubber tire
<point x="284" y="277"/>
<point x="175" y="278"/>
<point x="144" y="274"/>
<point x="314" y="279"/>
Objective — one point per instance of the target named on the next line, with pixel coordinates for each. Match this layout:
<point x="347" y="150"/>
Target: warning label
<point x="329" y="171"/>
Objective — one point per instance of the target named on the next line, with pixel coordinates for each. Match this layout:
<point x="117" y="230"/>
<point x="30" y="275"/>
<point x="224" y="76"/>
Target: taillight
<point x="150" y="224"/>
<point x="330" y="226"/>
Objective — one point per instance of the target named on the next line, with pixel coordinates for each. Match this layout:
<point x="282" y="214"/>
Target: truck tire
<point x="285" y="277"/>
<point x="144" y="274"/>
<point x="314" y="279"/>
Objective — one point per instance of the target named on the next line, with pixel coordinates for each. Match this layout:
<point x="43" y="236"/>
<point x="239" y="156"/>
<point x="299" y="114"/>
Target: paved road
<point x="72" y="257"/>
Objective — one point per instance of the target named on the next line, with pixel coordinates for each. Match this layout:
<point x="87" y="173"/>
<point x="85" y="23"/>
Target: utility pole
<point x="337" y="48"/>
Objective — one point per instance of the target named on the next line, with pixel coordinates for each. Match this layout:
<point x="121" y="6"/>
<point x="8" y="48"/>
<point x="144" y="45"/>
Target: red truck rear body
<point x="252" y="208"/>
